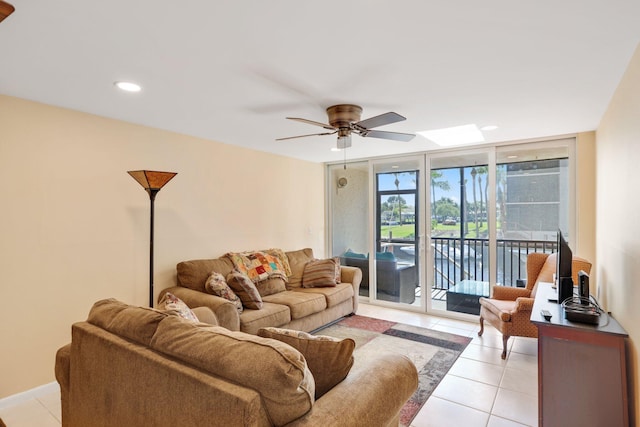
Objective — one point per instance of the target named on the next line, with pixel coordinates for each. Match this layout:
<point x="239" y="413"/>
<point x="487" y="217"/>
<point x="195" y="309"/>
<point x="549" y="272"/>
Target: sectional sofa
<point x="138" y="366"/>
<point x="286" y="302"/>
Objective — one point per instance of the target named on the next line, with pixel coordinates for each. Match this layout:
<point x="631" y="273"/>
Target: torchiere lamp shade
<point x="152" y="180"/>
<point x="5" y="10"/>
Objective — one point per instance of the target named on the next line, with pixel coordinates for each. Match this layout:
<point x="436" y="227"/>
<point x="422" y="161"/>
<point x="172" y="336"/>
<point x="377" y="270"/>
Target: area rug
<point x="432" y="352"/>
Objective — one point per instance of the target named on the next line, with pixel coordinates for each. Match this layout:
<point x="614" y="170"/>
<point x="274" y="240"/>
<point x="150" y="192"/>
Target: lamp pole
<point x="152" y="197"/>
<point x="152" y="182"/>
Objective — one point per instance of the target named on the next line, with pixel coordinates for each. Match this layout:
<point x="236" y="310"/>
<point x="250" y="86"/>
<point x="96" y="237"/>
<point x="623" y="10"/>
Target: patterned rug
<point x="432" y="352"/>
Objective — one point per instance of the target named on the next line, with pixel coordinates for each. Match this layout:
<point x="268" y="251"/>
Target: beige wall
<point x="74" y="226"/>
<point x="618" y="211"/>
<point x="586" y="201"/>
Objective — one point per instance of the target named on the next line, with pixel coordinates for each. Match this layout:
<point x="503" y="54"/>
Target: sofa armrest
<point x="225" y="311"/>
<point x="362" y="399"/>
<point x="352" y="275"/>
<point x="508" y="293"/>
<point x="62" y="373"/>
<point x="205" y="315"/>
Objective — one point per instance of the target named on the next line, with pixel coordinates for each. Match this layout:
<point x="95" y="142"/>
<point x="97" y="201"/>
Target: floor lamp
<point x="152" y="182"/>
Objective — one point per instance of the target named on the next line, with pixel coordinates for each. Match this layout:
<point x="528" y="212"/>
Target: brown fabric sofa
<point x="292" y="306"/>
<point x="138" y="366"/>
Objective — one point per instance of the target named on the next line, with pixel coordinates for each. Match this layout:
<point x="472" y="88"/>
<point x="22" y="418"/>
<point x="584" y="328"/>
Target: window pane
<point x="532" y="199"/>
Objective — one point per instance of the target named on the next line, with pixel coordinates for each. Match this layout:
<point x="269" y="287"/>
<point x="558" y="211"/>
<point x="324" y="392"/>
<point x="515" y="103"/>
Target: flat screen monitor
<point x="564" y="258"/>
<point x="563" y="269"/>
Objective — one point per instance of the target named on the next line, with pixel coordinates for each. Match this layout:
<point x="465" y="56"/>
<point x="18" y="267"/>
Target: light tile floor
<point x="480" y="389"/>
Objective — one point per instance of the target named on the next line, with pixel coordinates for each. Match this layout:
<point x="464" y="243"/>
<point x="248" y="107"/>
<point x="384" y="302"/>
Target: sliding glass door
<point x="459" y="229"/>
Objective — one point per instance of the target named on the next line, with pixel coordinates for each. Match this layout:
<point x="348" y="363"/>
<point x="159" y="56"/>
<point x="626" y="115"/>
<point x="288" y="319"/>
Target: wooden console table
<point x="582" y="368"/>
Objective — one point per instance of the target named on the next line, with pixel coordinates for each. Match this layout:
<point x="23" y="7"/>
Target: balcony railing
<point x="456" y="259"/>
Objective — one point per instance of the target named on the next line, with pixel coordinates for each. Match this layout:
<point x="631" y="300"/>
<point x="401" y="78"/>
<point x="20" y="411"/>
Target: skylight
<point x="457" y="135"/>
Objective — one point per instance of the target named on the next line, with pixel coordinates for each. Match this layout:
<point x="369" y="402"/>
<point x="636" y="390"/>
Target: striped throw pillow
<point x="320" y="273"/>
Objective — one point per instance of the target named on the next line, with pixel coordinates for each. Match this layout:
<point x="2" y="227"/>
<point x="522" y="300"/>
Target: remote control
<point x="546" y="314"/>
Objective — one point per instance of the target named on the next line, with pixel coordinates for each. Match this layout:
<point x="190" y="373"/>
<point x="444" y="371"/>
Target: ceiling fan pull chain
<point x="345" y="158"/>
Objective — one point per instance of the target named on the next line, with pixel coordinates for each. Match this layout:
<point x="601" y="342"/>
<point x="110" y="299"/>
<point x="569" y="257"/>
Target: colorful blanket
<point x="258" y="265"/>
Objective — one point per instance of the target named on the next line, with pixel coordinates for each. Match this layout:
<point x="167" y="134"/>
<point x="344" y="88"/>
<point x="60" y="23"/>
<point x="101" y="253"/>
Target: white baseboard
<point x="25" y="396"/>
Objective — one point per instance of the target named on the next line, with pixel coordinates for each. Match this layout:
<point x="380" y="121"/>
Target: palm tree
<point x="443" y="185"/>
<point x="482" y="170"/>
<point x="474" y="173"/>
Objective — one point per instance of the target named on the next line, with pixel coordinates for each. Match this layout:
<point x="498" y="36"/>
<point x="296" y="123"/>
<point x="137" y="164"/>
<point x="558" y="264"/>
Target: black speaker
<point x="565" y="289"/>
<point x="583" y="287"/>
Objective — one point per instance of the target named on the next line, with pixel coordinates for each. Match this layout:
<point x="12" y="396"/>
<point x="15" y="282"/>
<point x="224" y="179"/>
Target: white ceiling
<point x="231" y="71"/>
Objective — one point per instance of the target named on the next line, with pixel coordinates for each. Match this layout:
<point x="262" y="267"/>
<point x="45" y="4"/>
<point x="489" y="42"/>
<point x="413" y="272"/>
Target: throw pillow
<point x="320" y="273"/>
<point x="338" y="269"/>
<point x="271" y="286"/>
<point x="245" y="289"/>
<point x="350" y="254"/>
<point x="385" y="256"/>
<point x="173" y="304"/>
<point x="216" y="285"/>
<point x="329" y="359"/>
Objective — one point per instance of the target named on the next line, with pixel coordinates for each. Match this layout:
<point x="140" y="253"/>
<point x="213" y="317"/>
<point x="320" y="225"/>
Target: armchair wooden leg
<point x="505" y="338"/>
<point x="481" y="327"/>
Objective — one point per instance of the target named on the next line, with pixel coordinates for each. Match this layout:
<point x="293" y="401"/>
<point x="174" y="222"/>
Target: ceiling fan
<point x="344" y="119"/>
<point x="5" y="10"/>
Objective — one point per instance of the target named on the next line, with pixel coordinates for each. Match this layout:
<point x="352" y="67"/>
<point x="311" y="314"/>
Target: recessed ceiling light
<point x="128" y="86"/>
<point x="489" y="127"/>
<point x="512" y="156"/>
<point x="457" y="135"/>
<point x="336" y="149"/>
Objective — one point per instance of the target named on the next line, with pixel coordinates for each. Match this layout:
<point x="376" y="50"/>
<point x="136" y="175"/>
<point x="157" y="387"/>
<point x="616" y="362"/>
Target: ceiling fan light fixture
<point x="344" y="142"/>
<point x="457" y="135"/>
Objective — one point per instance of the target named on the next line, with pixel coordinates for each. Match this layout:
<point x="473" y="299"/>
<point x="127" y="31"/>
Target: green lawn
<point x="406" y="231"/>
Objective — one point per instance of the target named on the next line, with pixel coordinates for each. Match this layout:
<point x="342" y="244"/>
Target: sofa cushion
<point x="320" y="273"/>
<point x="194" y="274"/>
<point x="276" y="370"/>
<point x="501" y="308"/>
<point x="217" y="285"/>
<point x="297" y="260"/>
<point x="245" y="289"/>
<point x="333" y="295"/>
<point x="329" y="359"/>
<point x="173" y="304"/>
<point x="301" y="304"/>
<point x="350" y="254"/>
<point x="270" y="315"/>
<point x="134" y="323"/>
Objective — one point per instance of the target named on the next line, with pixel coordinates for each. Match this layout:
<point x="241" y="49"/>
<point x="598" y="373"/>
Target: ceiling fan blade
<point x="396" y="136"/>
<point x="304" y="136"/>
<point x="311" y="122"/>
<point x="5" y="10"/>
<point x="381" y="120"/>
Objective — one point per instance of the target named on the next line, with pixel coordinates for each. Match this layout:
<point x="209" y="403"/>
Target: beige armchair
<point x="509" y="309"/>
